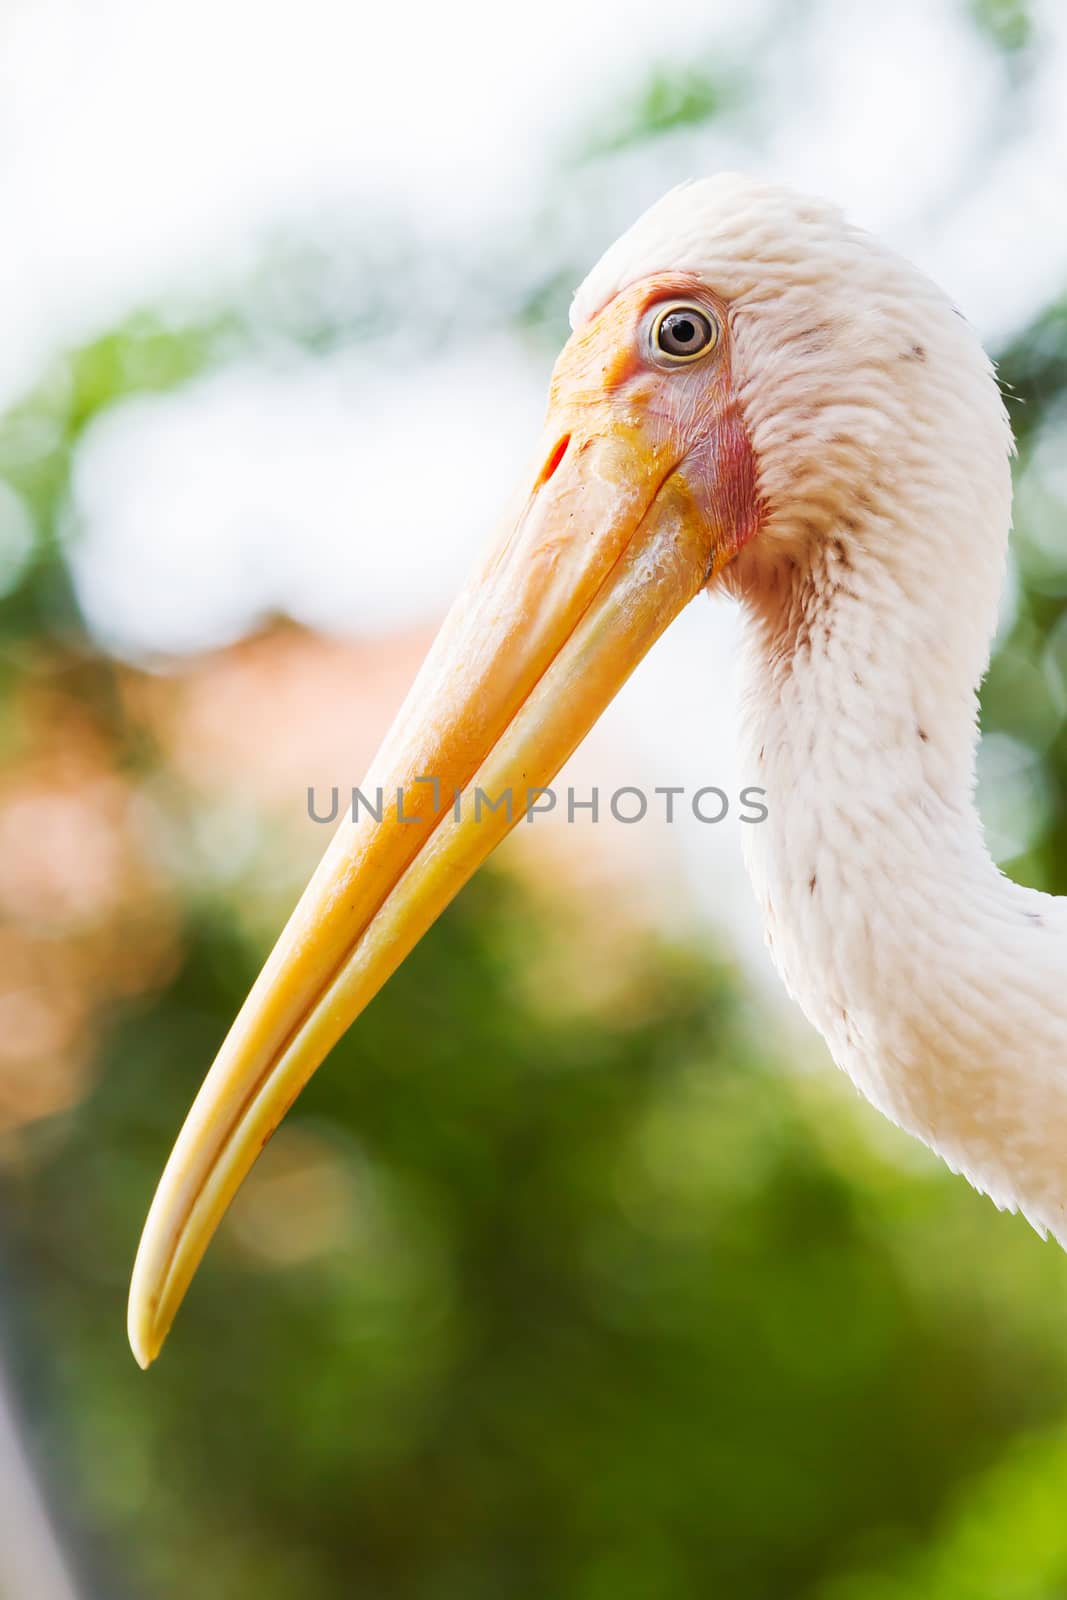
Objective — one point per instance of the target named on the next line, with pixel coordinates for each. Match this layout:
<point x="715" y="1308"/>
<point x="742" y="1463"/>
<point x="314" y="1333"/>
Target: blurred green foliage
<point x="520" y="1303"/>
<point x="668" y="101"/>
<point x="1008" y="23"/>
<point x="604" y="1311"/>
<point x="1025" y="693"/>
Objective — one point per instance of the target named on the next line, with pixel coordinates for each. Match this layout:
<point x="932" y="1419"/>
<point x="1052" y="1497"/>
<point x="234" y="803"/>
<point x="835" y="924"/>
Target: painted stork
<point x="759" y="396"/>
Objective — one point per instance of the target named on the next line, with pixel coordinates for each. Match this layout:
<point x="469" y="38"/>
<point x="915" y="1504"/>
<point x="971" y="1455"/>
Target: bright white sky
<point x="144" y="148"/>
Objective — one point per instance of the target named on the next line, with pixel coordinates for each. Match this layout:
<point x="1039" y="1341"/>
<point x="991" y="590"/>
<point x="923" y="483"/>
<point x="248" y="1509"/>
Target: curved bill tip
<point x="145" y="1348"/>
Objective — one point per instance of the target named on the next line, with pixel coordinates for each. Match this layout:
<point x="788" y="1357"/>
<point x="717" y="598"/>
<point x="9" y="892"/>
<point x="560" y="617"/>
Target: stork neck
<point x="936" y="981"/>
<point x="860" y="683"/>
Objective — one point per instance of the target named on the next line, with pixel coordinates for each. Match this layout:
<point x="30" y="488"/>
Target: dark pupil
<point x="684" y="332"/>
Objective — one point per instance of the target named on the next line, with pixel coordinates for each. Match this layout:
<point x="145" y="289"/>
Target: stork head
<point x="747" y="375"/>
<point x="866" y="400"/>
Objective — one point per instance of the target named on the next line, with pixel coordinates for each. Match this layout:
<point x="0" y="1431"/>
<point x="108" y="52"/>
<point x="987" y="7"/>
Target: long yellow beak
<point x="607" y="547"/>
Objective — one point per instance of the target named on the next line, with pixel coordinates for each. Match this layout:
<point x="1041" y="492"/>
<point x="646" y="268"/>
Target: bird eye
<point x="682" y="333"/>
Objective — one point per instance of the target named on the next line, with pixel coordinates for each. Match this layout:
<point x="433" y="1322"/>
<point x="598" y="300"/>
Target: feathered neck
<point x="937" y="983"/>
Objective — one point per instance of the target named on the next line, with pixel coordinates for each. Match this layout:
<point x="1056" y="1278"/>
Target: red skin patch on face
<point x="686" y="419"/>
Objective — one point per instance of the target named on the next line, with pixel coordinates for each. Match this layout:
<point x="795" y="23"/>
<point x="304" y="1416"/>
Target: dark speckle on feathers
<point x="813" y="340"/>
